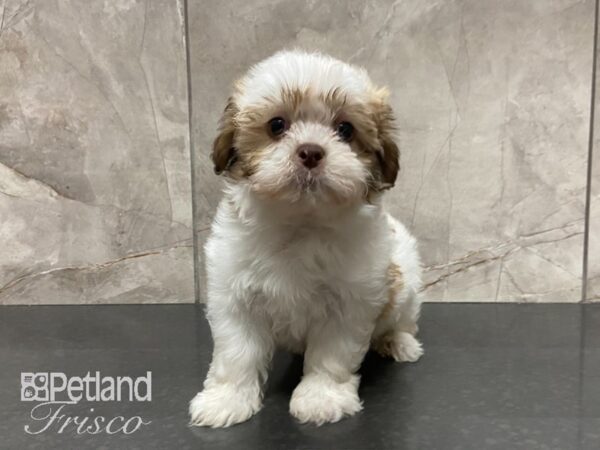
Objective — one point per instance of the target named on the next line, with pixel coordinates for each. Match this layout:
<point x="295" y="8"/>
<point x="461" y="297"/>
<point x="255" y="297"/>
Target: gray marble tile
<point x="493" y="104"/>
<point x="593" y="279"/>
<point x="95" y="197"/>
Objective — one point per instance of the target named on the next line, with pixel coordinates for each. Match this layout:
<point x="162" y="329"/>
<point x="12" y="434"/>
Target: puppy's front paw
<point x="320" y="399"/>
<point x="223" y="405"/>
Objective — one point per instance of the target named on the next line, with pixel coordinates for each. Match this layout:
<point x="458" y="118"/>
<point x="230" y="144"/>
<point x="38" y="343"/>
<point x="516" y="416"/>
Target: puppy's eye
<point x="277" y="126"/>
<point x="345" y="131"/>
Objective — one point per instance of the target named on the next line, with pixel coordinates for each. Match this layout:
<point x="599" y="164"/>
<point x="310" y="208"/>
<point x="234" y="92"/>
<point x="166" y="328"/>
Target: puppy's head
<point x="303" y="127"/>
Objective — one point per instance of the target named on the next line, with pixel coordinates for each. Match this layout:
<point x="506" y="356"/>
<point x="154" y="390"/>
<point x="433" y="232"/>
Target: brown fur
<point x="395" y="280"/>
<point x="389" y="155"/>
<point x="223" y="151"/>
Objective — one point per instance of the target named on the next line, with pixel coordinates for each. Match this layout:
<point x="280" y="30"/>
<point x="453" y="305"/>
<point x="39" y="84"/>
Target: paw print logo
<point x="34" y="387"/>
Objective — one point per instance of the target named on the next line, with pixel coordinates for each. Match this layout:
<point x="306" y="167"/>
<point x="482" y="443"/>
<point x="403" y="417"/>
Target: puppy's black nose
<point x="310" y="155"/>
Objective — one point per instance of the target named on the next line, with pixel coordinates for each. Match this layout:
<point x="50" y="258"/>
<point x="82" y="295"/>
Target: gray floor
<point x="493" y="377"/>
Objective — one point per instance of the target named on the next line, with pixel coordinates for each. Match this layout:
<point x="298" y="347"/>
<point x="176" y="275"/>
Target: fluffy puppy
<point x="302" y="254"/>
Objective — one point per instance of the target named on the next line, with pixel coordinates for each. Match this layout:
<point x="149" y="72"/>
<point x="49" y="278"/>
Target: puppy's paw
<point x="401" y="346"/>
<point x="223" y="405"/>
<point x="319" y="399"/>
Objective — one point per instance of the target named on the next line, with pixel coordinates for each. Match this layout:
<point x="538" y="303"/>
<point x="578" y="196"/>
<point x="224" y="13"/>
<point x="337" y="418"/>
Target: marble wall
<point x="95" y="196"/>
<point x="493" y="102"/>
<point x="492" y="99"/>
<point x="593" y="249"/>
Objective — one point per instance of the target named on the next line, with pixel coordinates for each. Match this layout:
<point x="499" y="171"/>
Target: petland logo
<point x="56" y="392"/>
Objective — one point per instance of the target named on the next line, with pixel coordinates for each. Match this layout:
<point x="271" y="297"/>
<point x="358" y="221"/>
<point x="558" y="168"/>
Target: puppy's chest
<point x="302" y="264"/>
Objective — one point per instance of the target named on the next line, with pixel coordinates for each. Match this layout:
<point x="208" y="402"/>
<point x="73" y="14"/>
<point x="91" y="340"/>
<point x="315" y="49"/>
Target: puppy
<point x="302" y="254"/>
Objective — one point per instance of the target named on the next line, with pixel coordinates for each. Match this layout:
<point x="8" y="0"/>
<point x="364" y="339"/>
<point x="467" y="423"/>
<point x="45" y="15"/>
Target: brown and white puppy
<point x="302" y="254"/>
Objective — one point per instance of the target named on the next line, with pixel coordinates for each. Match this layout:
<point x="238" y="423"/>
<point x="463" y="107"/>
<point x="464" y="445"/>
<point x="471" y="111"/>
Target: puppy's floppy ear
<point x="388" y="153"/>
<point x="389" y="158"/>
<point x="224" y="154"/>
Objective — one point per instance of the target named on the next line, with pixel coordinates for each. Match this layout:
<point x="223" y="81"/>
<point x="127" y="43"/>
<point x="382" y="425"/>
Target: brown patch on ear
<point x="388" y="154"/>
<point x="224" y="155"/>
<point x="389" y="159"/>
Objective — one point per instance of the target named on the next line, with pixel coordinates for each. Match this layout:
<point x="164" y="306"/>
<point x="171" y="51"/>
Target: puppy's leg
<point x="396" y="328"/>
<point x="233" y="387"/>
<point x="329" y="388"/>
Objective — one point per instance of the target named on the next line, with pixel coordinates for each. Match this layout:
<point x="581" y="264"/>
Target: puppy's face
<point x="308" y="128"/>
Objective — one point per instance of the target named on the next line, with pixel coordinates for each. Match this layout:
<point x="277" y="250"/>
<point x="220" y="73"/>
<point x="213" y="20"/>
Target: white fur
<point x="303" y="272"/>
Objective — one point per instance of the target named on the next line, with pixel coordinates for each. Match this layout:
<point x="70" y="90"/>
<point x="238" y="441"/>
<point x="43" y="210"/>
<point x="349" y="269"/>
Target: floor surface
<point x="494" y="376"/>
